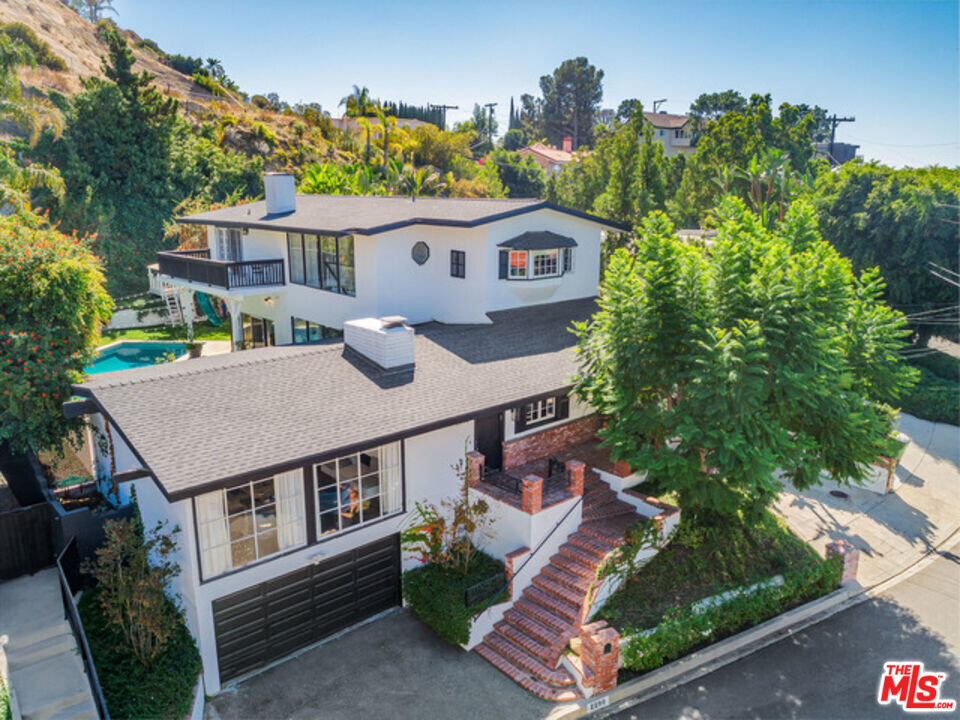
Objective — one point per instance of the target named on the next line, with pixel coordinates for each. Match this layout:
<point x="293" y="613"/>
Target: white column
<point x="186" y="307"/>
<point x="236" y="328"/>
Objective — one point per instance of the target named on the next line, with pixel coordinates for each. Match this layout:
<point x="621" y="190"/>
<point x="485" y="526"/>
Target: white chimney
<point x="280" y="191"/>
<point x="387" y="341"/>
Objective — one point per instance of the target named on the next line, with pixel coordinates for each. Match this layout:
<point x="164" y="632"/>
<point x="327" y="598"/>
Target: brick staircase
<point x="528" y="642"/>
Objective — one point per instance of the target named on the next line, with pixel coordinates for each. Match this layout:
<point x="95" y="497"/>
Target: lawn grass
<point x="174" y="333"/>
<point x="700" y="562"/>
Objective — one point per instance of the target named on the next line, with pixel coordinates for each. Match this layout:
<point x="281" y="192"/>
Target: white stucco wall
<point x="124" y="457"/>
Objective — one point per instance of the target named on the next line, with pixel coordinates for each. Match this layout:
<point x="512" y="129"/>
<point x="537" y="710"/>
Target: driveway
<point x="392" y="668"/>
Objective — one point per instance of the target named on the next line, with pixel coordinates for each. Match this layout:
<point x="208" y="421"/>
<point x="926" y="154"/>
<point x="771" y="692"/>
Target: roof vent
<point x="386" y="341"/>
<point x="281" y="193"/>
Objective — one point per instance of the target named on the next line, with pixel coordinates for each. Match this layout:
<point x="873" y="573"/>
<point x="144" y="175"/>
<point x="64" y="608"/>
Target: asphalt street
<point x="832" y="669"/>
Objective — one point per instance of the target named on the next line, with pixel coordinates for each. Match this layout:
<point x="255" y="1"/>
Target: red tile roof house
<point x="550" y="158"/>
<point x="292" y="468"/>
<point x="672" y="131"/>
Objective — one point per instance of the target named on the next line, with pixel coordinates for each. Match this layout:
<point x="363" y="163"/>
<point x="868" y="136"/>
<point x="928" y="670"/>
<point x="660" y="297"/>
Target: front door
<point x="488" y="439"/>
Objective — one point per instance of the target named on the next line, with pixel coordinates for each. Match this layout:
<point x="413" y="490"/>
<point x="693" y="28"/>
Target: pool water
<point x="125" y="355"/>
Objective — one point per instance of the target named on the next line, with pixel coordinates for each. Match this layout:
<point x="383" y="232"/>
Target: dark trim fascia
<point x="130" y="475"/>
<point x="269" y="470"/>
<point x="377" y="229"/>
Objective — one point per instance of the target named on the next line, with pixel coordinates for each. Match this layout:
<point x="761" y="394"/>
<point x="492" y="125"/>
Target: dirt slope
<point x="75" y="40"/>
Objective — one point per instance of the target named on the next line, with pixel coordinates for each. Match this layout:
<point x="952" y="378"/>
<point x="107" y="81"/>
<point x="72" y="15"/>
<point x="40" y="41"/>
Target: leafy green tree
<point x="514" y="139"/>
<point x="717" y="369"/>
<point x="92" y="10"/>
<point x="712" y="106"/>
<point x="439" y="147"/>
<point x="52" y="304"/>
<point x="899" y="221"/>
<point x="18" y="181"/>
<point x="731" y="142"/>
<point x="520" y="174"/>
<point x="571" y="97"/>
<point x="530" y="117"/>
<point x="626" y="109"/>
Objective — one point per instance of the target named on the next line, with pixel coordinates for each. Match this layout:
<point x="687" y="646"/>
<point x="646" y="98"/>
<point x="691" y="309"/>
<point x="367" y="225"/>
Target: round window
<point x="420" y="253"/>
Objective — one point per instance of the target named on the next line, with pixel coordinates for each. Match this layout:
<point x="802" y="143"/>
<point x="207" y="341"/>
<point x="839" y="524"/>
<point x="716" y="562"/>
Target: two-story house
<point x="292" y="469"/>
<point x="672" y="131"/>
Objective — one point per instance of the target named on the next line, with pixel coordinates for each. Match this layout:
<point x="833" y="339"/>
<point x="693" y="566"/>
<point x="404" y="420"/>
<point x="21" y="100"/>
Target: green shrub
<point x="933" y="398"/>
<point x="436" y="596"/>
<point x="685" y="629"/>
<point x="41" y="50"/>
<point x="208" y="83"/>
<point x="939" y="363"/>
<point x="161" y="689"/>
<point x="5" y="712"/>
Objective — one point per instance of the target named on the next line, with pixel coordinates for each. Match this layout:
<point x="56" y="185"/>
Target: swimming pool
<point x="128" y="354"/>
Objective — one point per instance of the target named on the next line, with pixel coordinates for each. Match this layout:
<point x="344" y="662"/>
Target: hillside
<point x="238" y="125"/>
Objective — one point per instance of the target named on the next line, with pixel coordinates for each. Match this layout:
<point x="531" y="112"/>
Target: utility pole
<point x="658" y="103"/>
<point x="490" y="107"/>
<point x="443" y="112"/>
<point x="834" y="121"/>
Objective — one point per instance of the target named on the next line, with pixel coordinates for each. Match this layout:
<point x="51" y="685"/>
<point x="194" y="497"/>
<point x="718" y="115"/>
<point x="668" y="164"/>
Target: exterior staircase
<point x="172" y="298"/>
<point x="528" y="643"/>
<point x="43" y="662"/>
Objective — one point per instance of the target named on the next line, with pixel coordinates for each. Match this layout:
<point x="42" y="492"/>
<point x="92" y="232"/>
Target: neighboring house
<point x="291" y="470"/>
<point x="673" y="132"/>
<point x="841" y="153"/>
<point x="548" y="157"/>
<point x="293" y="269"/>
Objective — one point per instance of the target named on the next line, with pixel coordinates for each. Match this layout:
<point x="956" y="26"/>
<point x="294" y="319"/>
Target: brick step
<point x="560" y="575"/>
<point x="524" y="660"/>
<point x="611" y="530"/>
<point x="608" y="510"/>
<point x="547" y="634"/>
<point x="593" y="497"/>
<point x="573" y="566"/>
<point x="553" y="603"/>
<point x="526" y="680"/>
<point x="591" y="543"/>
<point x="531" y="645"/>
<point x="551" y="620"/>
<point x="587" y="557"/>
<point x="574" y="597"/>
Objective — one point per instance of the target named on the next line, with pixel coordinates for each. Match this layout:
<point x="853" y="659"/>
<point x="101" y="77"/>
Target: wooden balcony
<point x="196" y="266"/>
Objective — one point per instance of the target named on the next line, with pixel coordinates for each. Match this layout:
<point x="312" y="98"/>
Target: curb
<point x="714" y="656"/>
<point x="731" y="649"/>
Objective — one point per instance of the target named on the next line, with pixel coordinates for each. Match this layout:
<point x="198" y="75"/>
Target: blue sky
<point x="892" y="65"/>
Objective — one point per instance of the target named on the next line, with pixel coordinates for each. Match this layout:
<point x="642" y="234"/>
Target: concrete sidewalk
<point x="893" y="531"/>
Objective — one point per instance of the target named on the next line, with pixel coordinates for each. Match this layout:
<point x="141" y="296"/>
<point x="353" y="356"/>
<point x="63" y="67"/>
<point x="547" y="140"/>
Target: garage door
<point x="269" y="621"/>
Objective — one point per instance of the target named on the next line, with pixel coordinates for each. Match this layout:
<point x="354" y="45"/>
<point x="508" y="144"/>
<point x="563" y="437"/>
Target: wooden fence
<point x="25" y="540"/>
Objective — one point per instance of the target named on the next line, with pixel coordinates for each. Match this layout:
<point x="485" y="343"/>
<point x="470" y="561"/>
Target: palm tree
<point x="358" y="103"/>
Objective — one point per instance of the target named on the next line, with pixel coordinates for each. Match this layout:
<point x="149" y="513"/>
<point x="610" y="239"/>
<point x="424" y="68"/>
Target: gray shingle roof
<point x="199" y="422"/>
<point x="543" y="240"/>
<point x="369" y="215"/>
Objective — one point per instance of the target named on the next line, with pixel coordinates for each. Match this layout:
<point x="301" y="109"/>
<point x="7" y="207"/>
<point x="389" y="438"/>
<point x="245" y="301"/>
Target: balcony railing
<point x="196" y="266"/>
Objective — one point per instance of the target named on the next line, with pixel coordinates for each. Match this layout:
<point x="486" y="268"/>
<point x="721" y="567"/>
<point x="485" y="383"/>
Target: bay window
<point x="358" y="488"/>
<point x="245" y="523"/>
<point x="518" y="264"/>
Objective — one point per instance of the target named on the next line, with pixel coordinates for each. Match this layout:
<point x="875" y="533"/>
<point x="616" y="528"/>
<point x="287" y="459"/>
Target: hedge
<point x="164" y="689"/>
<point x="435" y="594"/>
<point x="685" y="629"/>
<point x="933" y="398"/>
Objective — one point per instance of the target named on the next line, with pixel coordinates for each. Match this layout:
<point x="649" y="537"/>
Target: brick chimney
<point x="568" y="144"/>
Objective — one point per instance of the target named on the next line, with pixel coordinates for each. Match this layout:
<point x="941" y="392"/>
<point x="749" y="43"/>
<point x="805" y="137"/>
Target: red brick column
<point x="600" y="652"/>
<point x="575" y="471"/>
<point x="513" y="558"/>
<point x="621" y="469"/>
<point x="849" y="555"/>
<point x="532" y="498"/>
<point x="475" y="462"/>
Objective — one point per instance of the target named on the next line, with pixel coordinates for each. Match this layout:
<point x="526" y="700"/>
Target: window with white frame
<point x="518" y="263"/>
<point x="540" y="410"/>
<point x="545" y="263"/>
<point x="229" y="244"/>
<point x="239" y="525"/>
<point x="358" y="488"/>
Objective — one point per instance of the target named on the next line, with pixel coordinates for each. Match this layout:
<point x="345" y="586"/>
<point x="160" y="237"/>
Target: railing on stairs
<point x="530" y="557"/>
<point x="68" y="570"/>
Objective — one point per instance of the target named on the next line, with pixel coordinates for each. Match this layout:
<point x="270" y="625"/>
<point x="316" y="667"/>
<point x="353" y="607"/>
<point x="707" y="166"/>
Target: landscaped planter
<point x="884" y="476"/>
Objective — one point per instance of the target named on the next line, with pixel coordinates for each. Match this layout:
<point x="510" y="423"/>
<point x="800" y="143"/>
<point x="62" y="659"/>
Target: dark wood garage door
<point x="266" y="622"/>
